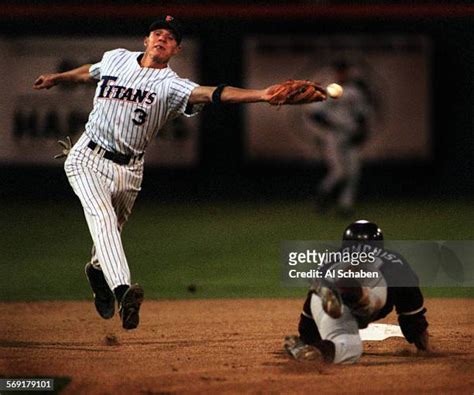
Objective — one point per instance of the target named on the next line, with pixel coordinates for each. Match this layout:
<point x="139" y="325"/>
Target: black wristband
<point x="216" y="95"/>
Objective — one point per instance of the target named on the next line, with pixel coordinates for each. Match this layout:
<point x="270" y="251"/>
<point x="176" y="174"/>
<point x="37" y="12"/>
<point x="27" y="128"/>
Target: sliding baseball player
<point x="336" y="309"/>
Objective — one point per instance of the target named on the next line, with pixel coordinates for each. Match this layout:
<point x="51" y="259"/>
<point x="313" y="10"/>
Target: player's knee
<point x="102" y="223"/>
<point x="347" y="348"/>
<point x="104" y="216"/>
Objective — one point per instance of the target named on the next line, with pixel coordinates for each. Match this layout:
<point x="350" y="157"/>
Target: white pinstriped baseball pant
<point x="107" y="192"/>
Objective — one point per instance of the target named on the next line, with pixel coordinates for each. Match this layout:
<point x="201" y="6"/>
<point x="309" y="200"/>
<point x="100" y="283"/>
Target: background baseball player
<point x="137" y="93"/>
<point x="342" y="127"/>
<point x="334" y="311"/>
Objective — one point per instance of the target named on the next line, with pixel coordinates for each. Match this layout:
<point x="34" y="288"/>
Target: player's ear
<point x="145" y="41"/>
<point x="177" y="49"/>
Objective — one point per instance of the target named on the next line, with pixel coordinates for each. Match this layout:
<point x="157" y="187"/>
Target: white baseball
<point x="334" y="90"/>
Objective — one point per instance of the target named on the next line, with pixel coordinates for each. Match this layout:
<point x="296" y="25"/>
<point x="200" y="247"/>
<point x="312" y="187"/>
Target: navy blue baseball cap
<point x="169" y="23"/>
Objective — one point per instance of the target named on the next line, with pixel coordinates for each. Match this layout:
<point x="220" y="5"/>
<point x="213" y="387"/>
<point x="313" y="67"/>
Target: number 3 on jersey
<point x="140" y="117"/>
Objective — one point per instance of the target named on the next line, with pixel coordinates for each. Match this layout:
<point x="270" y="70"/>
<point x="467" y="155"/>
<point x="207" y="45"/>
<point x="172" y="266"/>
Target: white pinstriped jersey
<point x="132" y="103"/>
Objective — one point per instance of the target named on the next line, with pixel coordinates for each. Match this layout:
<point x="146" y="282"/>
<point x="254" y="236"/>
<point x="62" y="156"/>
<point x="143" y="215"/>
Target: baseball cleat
<point x="130" y="306"/>
<point x="299" y="350"/>
<point x="104" y="299"/>
<point x="331" y="301"/>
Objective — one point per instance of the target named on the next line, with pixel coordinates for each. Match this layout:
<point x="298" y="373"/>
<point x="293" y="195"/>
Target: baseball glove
<point x="296" y="92"/>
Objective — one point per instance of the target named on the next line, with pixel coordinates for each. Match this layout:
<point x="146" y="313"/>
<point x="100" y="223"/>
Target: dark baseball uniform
<point x="399" y="290"/>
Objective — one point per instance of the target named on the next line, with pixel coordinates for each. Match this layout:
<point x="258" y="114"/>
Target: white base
<point x="378" y="332"/>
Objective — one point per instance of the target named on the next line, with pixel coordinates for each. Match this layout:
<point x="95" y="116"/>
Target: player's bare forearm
<point x="79" y="75"/>
<point x="238" y="95"/>
<point x="288" y="92"/>
<point x="230" y="94"/>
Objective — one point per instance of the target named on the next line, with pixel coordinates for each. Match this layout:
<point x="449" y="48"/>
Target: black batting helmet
<point x="362" y="230"/>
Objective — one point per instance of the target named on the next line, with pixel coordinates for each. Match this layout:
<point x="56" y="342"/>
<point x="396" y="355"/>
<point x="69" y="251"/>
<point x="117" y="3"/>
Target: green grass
<point x="225" y="249"/>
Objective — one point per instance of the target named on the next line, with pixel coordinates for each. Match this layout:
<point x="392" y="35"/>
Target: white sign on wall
<point x="394" y="69"/>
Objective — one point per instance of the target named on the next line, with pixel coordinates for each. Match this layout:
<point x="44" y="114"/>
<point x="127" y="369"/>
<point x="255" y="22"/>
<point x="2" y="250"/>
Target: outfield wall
<point x="216" y="155"/>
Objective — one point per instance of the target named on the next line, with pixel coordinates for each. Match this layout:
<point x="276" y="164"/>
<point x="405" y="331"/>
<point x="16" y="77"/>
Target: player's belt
<point x="115" y="157"/>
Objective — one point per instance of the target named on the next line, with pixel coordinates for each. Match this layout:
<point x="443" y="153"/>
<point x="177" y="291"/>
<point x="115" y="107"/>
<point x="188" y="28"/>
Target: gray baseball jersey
<point x="338" y="122"/>
<point x="131" y="104"/>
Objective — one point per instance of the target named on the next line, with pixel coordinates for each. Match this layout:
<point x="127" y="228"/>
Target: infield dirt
<point x="223" y="346"/>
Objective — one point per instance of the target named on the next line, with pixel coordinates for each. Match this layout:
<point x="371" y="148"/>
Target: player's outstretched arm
<point x="47" y="81"/>
<point x="289" y="92"/>
<point x="225" y="94"/>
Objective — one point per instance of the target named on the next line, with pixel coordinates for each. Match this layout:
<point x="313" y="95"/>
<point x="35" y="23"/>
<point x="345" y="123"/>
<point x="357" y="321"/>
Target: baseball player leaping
<point x="337" y="308"/>
<point x="137" y="93"/>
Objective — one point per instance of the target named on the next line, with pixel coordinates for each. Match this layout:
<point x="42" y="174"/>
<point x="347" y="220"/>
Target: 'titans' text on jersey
<point x="112" y="91"/>
<point x="132" y="102"/>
